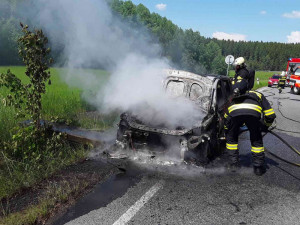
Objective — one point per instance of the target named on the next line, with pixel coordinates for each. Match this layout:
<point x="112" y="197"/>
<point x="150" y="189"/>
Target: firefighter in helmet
<point x="241" y="71"/>
<point x="247" y="107"/>
<point x="281" y="82"/>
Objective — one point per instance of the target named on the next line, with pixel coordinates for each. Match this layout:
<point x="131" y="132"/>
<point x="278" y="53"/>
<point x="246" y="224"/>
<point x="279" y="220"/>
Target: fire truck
<point x="293" y="74"/>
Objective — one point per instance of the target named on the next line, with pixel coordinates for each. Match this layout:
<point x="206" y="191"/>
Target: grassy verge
<point x="48" y="200"/>
<point x="15" y="175"/>
<point x="55" y="194"/>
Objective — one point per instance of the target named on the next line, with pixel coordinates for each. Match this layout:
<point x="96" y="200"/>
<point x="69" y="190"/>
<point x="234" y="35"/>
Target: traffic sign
<point x="229" y="59"/>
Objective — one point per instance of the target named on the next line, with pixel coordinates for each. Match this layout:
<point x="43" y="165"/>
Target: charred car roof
<point x="194" y="76"/>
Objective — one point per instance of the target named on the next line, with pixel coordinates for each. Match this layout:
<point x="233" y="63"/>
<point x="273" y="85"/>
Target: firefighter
<point x="241" y="71"/>
<point x="247" y="108"/>
<point x="281" y="83"/>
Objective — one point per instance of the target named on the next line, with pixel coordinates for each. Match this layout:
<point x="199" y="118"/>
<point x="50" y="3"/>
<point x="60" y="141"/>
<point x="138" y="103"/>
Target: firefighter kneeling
<point x="247" y="108"/>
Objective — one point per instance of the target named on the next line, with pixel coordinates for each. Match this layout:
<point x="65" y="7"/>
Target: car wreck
<point x="199" y="143"/>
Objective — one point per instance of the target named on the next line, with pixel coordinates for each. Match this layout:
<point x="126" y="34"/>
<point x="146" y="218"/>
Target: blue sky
<point x="255" y="20"/>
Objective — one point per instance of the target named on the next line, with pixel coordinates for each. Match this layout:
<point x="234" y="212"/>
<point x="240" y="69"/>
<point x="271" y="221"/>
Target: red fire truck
<point x="293" y="74"/>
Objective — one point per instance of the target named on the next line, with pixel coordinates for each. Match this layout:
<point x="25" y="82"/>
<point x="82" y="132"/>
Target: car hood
<point x="135" y="123"/>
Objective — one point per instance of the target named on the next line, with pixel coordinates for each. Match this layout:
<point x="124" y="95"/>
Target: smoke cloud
<point x="90" y="35"/>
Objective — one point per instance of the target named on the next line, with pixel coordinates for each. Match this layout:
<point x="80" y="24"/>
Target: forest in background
<point x="186" y="49"/>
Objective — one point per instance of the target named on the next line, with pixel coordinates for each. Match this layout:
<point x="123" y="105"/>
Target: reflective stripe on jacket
<point x="253" y="103"/>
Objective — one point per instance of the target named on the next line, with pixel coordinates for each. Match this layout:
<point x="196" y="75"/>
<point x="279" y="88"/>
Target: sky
<point x="249" y="20"/>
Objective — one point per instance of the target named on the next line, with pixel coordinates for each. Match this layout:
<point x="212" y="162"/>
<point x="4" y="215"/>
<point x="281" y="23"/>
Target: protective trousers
<point x="254" y="126"/>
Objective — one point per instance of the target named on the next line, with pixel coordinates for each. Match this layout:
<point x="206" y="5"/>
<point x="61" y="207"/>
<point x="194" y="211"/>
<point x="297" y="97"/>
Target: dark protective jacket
<point x="240" y="74"/>
<point x="281" y="81"/>
<point x="252" y="103"/>
<point x="251" y="79"/>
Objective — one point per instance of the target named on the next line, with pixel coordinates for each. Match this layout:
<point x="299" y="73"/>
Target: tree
<point x="27" y="97"/>
<point x="218" y="65"/>
<point x="178" y="45"/>
<point x="143" y="14"/>
<point x="212" y="50"/>
<point x="32" y="142"/>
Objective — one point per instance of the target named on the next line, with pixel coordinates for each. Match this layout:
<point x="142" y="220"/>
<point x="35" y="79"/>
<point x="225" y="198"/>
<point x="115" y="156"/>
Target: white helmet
<point x="239" y="61"/>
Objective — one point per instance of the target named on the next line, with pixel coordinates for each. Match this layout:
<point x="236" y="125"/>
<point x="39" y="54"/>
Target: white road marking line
<point x="126" y="217"/>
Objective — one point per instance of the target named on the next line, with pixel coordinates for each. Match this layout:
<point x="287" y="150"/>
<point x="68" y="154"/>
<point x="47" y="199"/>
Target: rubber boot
<point x="259" y="170"/>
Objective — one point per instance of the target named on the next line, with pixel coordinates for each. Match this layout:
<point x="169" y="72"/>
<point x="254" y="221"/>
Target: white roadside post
<point x="229" y="60"/>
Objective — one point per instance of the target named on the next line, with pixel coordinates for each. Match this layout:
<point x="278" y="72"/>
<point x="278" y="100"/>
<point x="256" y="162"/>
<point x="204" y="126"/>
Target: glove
<point x="236" y="92"/>
<point x="264" y="127"/>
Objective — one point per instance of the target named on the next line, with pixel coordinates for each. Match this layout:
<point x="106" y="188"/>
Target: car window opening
<point x="297" y="72"/>
<point x="275" y="77"/>
<point x="220" y="96"/>
<point x="293" y="66"/>
<point x="175" y="88"/>
<point x="196" y="92"/>
<point x="227" y="89"/>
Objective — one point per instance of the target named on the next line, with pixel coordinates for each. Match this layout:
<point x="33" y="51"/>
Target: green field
<point x="61" y="102"/>
<point x="263" y="77"/>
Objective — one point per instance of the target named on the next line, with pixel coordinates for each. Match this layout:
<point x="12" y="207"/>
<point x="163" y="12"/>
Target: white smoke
<point x="92" y="36"/>
<point x="136" y="85"/>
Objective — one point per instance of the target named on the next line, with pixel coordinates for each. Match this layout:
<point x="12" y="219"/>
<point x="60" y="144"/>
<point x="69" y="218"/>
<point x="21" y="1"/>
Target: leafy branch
<point x="27" y="98"/>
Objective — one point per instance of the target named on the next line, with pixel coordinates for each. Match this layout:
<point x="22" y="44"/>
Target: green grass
<point x="56" y="194"/>
<point x="62" y="102"/>
<point x="263" y="77"/>
<point x="19" y="174"/>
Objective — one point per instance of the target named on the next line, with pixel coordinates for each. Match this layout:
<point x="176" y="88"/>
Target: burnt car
<point x="197" y="143"/>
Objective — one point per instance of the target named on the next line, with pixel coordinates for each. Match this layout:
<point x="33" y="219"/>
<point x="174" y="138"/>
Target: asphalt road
<point x="151" y="193"/>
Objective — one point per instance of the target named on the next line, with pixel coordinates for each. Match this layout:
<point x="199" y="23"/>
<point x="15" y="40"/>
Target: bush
<point x="35" y="150"/>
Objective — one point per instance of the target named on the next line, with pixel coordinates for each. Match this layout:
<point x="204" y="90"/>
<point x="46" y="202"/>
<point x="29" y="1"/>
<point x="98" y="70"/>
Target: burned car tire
<point x="120" y="133"/>
<point x="204" y="154"/>
<point x="198" y="158"/>
<point x="198" y="151"/>
<point x="123" y="127"/>
<point x="121" y="140"/>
